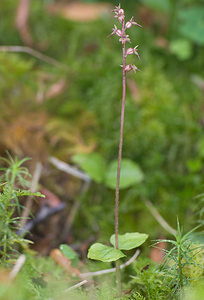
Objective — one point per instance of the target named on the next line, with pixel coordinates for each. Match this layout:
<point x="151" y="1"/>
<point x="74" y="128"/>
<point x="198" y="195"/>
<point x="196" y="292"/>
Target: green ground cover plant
<point x="14" y="175"/>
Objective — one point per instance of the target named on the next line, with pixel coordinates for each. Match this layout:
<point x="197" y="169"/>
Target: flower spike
<point x="124" y="38"/>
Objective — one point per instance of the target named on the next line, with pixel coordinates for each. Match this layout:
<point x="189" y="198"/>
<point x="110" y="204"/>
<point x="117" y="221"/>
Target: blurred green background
<point x="74" y="107"/>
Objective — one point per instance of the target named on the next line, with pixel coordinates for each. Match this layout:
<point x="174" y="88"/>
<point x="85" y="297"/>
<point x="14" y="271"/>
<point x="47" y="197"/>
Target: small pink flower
<point x="121" y="19"/>
<point x="131" y="67"/>
<point x="128" y="68"/>
<point x="117" y="8"/>
<point x="119" y="32"/>
<point x="134" y="68"/>
<point x="129" y="51"/>
<point x="119" y="13"/>
<point x="135" y="50"/>
<point x="114" y="30"/>
<point x="124" y="39"/>
<point x="128" y="25"/>
<point x="132" y="21"/>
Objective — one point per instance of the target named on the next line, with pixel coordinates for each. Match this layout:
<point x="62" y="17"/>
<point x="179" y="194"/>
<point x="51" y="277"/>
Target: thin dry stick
<point x="73" y="212"/>
<point x="34" y="185"/>
<point x="61" y="165"/>
<point x="75" y="286"/>
<point x="17" y="267"/>
<point x="71" y="288"/>
<point x="102" y="272"/>
<point x="159" y="218"/>
<point x="34" y="53"/>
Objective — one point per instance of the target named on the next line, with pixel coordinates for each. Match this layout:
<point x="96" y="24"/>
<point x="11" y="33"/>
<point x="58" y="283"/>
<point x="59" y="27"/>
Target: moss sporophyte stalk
<point x="120" y="242"/>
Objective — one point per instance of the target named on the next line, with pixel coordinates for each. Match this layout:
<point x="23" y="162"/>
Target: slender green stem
<point x="180" y="266"/>
<point x="118" y="278"/>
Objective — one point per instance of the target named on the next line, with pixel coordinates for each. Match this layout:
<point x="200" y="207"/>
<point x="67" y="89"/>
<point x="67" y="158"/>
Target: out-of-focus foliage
<point x="14" y="174"/>
<point x="163" y="119"/>
<point x="192" y="23"/>
<point x="47" y="110"/>
<point x="96" y="167"/>
<point x="161" y="5"/>
<point x="149" y="280"/>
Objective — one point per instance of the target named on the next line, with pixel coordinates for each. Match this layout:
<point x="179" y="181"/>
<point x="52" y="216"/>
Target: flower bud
<point x="129" y="51"/>
<point x="121" y="11"/>
<point x="128" y="25"/>
<point x="118" y="32"/>
<point x="124" y="39"/>
<point x="132" y="21"/>
<point x="128" y="68"/>
<point x="135" y="50"/>
<point x="134" y="68"/>
<point x="121" y="19"/>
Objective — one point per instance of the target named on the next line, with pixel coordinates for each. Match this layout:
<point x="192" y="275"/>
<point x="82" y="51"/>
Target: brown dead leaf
<point x="5" y="276"/>
<point x="56" y="89"/>
<point x="64" y="262"/>
<point x="156" y="253"/>
<point x="134" y="90"/>
<point x="81" y="12"/>
<point x="161" y="42"/>
<point x="50" y="198"/>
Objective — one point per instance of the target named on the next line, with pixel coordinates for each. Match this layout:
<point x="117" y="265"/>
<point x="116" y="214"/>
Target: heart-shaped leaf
<point x="93" y="164"/>
<point x="182" y="48"/>
<point x="129" y="241"/>
<point x="130" y="174"/>
<point x="104" y="253"/>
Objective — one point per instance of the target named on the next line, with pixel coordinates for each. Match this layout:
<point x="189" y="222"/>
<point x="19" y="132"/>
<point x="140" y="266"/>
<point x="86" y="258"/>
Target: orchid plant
<point x="132" y="240"/>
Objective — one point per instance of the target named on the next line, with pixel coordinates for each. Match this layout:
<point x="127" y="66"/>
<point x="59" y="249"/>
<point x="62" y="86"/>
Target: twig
<point x="75" y="286"/>
<point x="17" y="267"/>
<point x="69" y="169"/>
<point x="159" y="218"/>
<point x="34" y="53"/>
<point x="29" y="203"/>
<point x="97" y="273"/>
<point x="70" y="289"/>
<point x="76" y="206"/>
<point x="61" y="165"/>
<point x="44" y="212"/>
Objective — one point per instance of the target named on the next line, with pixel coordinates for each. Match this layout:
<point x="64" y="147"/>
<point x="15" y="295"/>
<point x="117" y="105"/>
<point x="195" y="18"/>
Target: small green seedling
<point x="127" y="241"/>
<point x="70" y="254"/>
